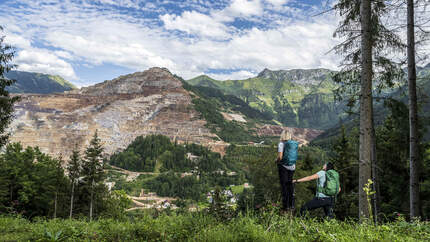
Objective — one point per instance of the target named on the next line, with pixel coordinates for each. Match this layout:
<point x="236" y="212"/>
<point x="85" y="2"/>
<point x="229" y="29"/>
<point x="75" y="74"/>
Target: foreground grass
<point x="200" y="227"/>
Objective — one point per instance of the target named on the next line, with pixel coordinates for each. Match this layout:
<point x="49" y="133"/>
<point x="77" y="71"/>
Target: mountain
<point x="138" y="104"/>
<point x="30" y="82"/>
<point x="298" y="98"/>
<point x="381" y="112"/>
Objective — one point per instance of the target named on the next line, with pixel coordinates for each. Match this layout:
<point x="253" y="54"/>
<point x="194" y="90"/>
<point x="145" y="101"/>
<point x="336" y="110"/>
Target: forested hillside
<point x="186" y="171"/>
<point x="30" y="82"/>
<point x="305" y="98"/>
<point x="295" y="98"/>
<point x="383" y="107"/>
<point x="211" y="103"/>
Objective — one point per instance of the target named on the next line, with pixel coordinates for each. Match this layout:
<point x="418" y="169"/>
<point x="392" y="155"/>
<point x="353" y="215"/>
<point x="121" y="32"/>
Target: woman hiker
<point x="327" y="188"/>
<point x="287" y="157"/>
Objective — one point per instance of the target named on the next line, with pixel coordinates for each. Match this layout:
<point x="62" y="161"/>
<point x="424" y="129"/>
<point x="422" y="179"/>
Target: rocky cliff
<point x="143" y="103"/>
<point x="150" y="102"/>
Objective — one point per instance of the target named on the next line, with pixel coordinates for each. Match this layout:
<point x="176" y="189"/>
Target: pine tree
<point x="75" y="171"/>
<point x="93" y="168"/>
<point x="345" y="162"/>
<point x="343" y="159"/>
<point x="59" y="174"/>
<point x="6" y="101"/>
<point x="367" y="43"/>
<point x="413" y="116"/>
<point x="393" y="155"/>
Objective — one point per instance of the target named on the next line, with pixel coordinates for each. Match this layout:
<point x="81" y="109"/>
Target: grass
<point x="158" y="165"/>
<point x="132" y="187"/>
<point x="238" y="189"/>
<point x="201" y="227"/>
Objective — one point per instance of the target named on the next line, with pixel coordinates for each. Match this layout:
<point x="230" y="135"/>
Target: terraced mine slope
<point x="150" y="102"/>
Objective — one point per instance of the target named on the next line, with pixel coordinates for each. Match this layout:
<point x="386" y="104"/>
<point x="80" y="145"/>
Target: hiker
<point x="287" y="157"/>
<point x="328" y="187"/>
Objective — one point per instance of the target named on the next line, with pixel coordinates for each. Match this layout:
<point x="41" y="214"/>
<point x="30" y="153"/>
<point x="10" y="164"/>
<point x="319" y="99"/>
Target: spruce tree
<point x="414" y="185"/>
<point x="366" y="66"/>
<point x="58" y="175"/>
<point x="75" y="171"/>
<point x="93" y="168"/>
<point x="6" y="101"/>
<point x="345" y="162"/>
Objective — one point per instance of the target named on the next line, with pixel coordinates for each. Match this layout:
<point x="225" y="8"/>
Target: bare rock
<point x="302" y="135"/>
<point x="143" y="103"/>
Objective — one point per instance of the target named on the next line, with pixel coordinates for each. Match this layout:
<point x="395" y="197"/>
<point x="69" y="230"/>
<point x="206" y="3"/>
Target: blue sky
<point x="87" y="42"/>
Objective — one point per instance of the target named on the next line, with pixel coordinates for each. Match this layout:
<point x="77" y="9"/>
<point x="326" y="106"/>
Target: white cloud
<point x="277" y="2"/>
<point x="64" y="55"/>
<point x="17" y="41"/>
<point x="235" y="75"/>
<point x="87" y="36"/>
<point x="195" y="23"/>
<point x="36" y="60"/>
<point x="246" y="7"/>
<point x="119" y="3"/>
<point x="302" y="45"/>
<point x="103" y="48"/>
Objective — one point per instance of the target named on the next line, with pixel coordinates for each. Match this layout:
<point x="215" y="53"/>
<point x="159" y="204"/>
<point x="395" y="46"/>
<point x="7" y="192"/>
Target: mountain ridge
<point x="155" y="102"/>
<point x="32" y="82"/>
<point x="295" y="98"/>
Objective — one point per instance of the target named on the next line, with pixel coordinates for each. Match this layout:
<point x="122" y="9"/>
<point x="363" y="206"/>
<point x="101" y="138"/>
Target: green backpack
<point x="331" y="185"/>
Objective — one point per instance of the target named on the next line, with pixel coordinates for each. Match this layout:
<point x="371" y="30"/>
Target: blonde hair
<point x="286" y="135"/>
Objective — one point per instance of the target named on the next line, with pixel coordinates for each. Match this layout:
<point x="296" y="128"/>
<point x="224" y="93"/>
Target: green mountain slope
<point x="297" y="98"/>
<point x="381" y="112"/>
<point x="30" y="82"/>
<point x="212" y="103"/>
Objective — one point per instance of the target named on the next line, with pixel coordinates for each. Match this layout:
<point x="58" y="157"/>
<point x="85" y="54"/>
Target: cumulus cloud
<point x="246" y="7"/>
<point x="82" y="34"/>
<point x="195" y="23"/>
<point x="36" y="60"/>
<point x="17" y="40"/>
<point x="302" y="45"/>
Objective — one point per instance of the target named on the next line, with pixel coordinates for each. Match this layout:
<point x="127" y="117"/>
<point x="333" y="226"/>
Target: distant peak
<point x="138" y="82"/>
<point x="264" y="72"/>
<point x="204" y="76"/>
<point x="158" y="69"/>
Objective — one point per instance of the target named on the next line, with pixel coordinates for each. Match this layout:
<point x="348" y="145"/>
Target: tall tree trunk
<point x="71" y="200"/>
<point x="375" y="176"/>
<point x="91" y="200"/>
<point x="55" y="203"/>
<point x="413" y="117"/>
<point x="366" y="124"/>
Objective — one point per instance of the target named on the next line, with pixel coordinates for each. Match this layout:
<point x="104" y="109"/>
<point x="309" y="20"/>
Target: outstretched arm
<point x="308" y="178"/>
<point x="280" y="154"/>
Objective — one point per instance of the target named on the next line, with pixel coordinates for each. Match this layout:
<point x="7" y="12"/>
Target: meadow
<point x="200" y="226"/>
